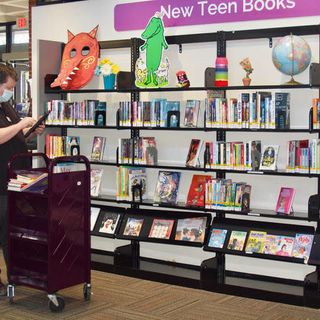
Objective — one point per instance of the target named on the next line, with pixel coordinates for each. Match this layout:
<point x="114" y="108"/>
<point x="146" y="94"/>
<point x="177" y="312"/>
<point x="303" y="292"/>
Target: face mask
<point x="6" y="96"/>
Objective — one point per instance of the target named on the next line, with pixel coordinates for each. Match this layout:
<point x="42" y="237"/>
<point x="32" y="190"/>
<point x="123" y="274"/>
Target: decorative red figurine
<point x="183" y="79"/>
<point x="79" y="60"/>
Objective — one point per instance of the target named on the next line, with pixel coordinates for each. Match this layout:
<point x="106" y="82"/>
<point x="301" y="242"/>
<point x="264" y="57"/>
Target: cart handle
<point x="76" y="159"/>
<point x="26" y="155"/>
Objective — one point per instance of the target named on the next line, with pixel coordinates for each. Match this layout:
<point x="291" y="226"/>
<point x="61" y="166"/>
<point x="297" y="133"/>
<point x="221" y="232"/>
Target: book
<point x="167" y="187"/>
<point x="109" y="222"/>
<point x="255" y="147"/>
<point x="217" y="238"/>
<point x="98" y="146"/>
<point x="193" y="153"/>
<point x="196" y="194"/>
<point x="28" y="176"/>
<point x="282" y="110"/>
<point x="285" y="200"/>
<point x="285" y="246"/>
<point x="72" y="146"/>
<point x="270" y="244"/>
<point x="237" y="240"/>
<point x="161" y="228"/>
<point x="133" y="227"/>
<point x="137" y="183"/>
<point x="269" y="157"/>
<point x="191" y="229"/>
<point x="302" y="246"/>
<point x="255" y="241"/>
<point x="94" y="213"/>
<point x="191" y="113"/>
<point x="95" y="179"/>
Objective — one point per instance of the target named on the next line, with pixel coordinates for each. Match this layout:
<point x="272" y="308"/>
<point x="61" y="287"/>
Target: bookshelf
<point x="212" y="273"/>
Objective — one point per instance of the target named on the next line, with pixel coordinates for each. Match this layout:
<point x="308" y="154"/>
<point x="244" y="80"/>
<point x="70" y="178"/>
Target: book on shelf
<point x="137" y="179"/>
<point x="161" y="228"/>
<point x="72" y="146"/>
<point x="285" y="200"/>
<point x="31" y="181"/>
<point x="302" y="246"/>
<point x="100" y="114"/>
<point x="196" y="194"/>
<point x="191" y="229"/>
<point x="315" y="113"/>
<point x="282" y="110"/>
<point x="109" y="222"/>
<point x="271" y="244"/>
<point x="95" y="180"/>
<point x="133" y="227"/>
<point x="255" y="241"/>
<point x="191" y="113"/>
<point x="98" y="146"/>
<point x="255" y="154"/>
<point x="269" y="157"/>
<point x="237" y="240"/>
<point x="194" y="153"/>
<point x="94" y="213"/>
<point x="167" y="187"/>
<point x="63" y="167"/>
<point x="285" y="246"/>
<point x="217" y="238"/>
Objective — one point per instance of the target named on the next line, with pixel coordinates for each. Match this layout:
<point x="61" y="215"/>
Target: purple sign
<point x="135" y="15"/>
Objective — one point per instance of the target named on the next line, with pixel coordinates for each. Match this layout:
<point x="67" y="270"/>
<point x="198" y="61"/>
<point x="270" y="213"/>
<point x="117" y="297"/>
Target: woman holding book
<point x="12" y="141"/>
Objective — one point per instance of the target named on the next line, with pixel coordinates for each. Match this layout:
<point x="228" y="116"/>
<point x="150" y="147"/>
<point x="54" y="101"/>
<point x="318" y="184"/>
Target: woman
<point x="12" y="141"/>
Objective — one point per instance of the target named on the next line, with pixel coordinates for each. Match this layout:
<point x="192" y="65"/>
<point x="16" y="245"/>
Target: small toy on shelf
<point x="183" y="81"/>
<point x="246" y="66"/>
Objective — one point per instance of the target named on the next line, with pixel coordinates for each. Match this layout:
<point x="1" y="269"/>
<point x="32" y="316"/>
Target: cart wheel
<point x="10" y="292"/>
<point x="87" y="291"/>
<point x="56" y="304"/>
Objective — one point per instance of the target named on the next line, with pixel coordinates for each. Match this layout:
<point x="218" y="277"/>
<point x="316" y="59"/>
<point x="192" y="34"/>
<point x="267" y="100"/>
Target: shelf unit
<point x="212" y="274"/>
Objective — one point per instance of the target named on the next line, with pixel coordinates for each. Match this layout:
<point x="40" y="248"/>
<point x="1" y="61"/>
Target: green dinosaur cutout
<point x="151" y="75"/>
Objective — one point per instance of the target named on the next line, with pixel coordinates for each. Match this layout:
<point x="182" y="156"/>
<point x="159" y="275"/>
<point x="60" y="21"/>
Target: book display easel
<point x="137" y="224"/>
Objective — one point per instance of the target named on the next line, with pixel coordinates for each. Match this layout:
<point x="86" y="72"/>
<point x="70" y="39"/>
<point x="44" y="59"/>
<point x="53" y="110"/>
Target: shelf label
<point x="135" y="15"/>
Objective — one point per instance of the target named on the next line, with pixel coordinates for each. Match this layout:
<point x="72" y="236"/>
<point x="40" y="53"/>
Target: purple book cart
<point x="49" y="231"/>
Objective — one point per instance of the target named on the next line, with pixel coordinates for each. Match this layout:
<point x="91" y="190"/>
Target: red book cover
<point x="285" y="200"/>
<point x="196" y="192"/>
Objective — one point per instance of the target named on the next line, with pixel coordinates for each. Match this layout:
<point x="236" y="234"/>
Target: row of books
<point x="142" y="149"/>
<point x="87" y="112"/>
<point x="157" y="113"/>
<point x="316" y="113"/>
<point x="188" y="229"/>
<point x="298" y="246"/>
<point x="256" y="110"/>
<point x="58" y="146"/>
<point x="223" y="194"/>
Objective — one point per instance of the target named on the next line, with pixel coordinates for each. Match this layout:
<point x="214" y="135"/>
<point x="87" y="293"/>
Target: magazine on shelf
<point x="95" y="177"/>
<point x="269" y="157"/>
<point x="285" y="200"/>
<point x="217" y="238"/>
<point x="161" y="229"/>
<point x="133" y="227"/>
<point x="93" y="217"/>
<point x="302" y="246"/>
<point x="191" y="229"/>
<point x="285" y="246"/>
<point x="109" y="222"/>
<point x="167" y="187"/>
<point x="271" y="244"/>
<point x="98" y="146"/>
<point x="255" y="241"/>
<point x="237" y="240"/>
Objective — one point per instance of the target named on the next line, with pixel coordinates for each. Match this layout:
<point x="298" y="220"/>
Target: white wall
<point x="85" y="15"/>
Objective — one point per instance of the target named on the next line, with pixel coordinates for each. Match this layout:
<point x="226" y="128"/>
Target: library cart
<point x="48" y="231"/>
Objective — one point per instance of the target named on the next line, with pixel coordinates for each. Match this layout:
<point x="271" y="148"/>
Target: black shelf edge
<point x="79" y="127"/>
<point x="168" y="89"/>
<point x="302" y="216"/>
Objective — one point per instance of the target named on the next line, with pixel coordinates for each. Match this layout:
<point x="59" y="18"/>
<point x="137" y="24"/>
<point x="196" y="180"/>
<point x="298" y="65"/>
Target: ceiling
<point x="10" y="10"/>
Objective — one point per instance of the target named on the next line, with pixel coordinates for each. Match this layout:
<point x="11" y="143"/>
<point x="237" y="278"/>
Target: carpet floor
<point x="123" y="298"/>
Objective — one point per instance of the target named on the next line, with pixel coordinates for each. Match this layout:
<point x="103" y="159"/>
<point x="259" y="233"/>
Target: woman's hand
<point x="26" y="122"/>
<point x="39" y="130"/>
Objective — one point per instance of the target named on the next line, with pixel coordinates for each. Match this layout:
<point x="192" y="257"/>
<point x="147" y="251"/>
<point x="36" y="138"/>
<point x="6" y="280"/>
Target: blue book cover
<point x="217" y="238"/>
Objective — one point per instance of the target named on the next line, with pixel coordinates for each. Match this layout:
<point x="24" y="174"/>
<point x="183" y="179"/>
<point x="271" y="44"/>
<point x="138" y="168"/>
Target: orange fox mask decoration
<point x="79" y="60"/>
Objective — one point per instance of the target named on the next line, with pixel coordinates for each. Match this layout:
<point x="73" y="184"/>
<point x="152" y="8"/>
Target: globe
<point x="291" y="55"/>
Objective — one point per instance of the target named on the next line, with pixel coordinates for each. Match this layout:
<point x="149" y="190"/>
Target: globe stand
<point x="292" y="82"/>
